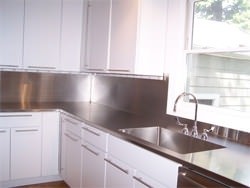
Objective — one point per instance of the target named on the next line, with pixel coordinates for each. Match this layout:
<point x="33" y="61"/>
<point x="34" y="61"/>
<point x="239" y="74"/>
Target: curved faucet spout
<point x="194" y="130"/>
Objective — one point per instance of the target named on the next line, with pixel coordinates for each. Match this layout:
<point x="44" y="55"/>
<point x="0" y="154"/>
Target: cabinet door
<point x="25" y="152"/>
<point x="11" y="32"/>
<point x="50" y="143"/>
<point x="93" y="167"/>
<point x="42" y="34"/>
<point x="151" y="41"/>
<point x="118" y="174"/>
<point x="97" y="40"/>
<point x="123" y="35"/>
<point x="143" y="181"/>
<point x="72" y="24"/>
<point x="5" y="154"/>
<point x="73" y="160"/>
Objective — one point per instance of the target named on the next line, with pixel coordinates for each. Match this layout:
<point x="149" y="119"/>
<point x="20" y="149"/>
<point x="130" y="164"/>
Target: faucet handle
<point x="194" y="132"/>
<point x="204" y="135"/>
<point x="178" y="122"/>
<point x="185" y="129"/>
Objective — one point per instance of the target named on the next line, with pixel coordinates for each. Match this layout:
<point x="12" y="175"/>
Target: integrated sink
<point x="174" y="141"/>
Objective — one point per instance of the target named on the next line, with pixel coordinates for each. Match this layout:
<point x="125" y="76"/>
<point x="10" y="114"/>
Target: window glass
<point x="219" y="63"/>
<point x="221" y="24"/>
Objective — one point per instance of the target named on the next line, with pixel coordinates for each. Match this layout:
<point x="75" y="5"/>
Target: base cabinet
<point x="143" y="181"/>
<point x="149" y="169"/>
<point x="50" y="143"/>
<point x="25" y="152"/>
<point x="118" y="174"/>
<point x="94" y="151"/>
<point x="5" y="154"/>
<point x="71" y="151"/>
<point x="93" y="166"/>
<point x="29" y="148"/>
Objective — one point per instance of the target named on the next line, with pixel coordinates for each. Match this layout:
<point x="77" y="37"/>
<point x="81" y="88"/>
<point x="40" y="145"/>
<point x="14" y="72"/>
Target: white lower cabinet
<point x="143" y="181"/>
<point x="94" y="151"/>
<point x="92" y="158"/>
<point x="5" y="154"/>
<point x="50" y="143"/>
<point x="118" y="174"/>
<point x="71" y="151"/>
<point x="93" y="166"/>
<point x="25" y="152"/>
<point x="150" y="169"/>
<point x="29" y="148"/>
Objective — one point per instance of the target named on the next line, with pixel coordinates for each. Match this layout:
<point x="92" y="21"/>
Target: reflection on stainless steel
<point x="174" y="141"/>
<point x="25" y="87"/>
<point x="136" y="95"/>
<point x="194" y="131"/>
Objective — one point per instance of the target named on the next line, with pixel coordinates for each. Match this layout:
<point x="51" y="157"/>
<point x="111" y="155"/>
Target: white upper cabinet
<point x="11" y="33"/>
<point x="71" y="39"/>
<point x="132" y="38"/>
<point x="42" y="34"/>
<point x="124" y="23"/>
<point x="97" y="35"/>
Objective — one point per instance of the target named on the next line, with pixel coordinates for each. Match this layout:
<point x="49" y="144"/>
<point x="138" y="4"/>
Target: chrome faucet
<point x="194" y="131"/>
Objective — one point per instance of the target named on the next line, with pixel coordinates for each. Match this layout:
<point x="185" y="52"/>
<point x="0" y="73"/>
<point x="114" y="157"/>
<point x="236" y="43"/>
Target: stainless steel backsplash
<point x="136" y="95"/>
<point x="43" y="87"/>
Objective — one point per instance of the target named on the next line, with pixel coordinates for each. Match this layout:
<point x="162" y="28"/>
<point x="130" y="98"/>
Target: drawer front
<point x="95" y="137"/>
<point x="161" y="169"/>
<point x="17" y="119"/>
<point x="71" y="125"/>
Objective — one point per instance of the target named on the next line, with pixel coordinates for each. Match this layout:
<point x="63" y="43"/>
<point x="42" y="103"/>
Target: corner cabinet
<point x="25" y="136"/>
<point x="129" y="43"/>
<point x="29" y="147"/>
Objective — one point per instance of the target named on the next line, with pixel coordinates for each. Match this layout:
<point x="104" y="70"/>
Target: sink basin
<point x="174" y="141"/>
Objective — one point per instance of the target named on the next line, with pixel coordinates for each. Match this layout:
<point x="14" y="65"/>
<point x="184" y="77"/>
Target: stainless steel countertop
<point x="231" y="164"/>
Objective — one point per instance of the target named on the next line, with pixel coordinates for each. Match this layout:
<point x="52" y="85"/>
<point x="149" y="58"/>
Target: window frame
<point x="208" y="114"/>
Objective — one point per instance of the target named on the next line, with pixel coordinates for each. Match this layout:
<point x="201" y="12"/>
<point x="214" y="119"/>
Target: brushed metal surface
<point x="136" y="95"/>
<point x="25" y="87"/>
<point x="174" y="141"/>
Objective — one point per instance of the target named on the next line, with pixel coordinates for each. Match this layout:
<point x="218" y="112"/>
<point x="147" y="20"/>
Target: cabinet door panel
<point x="123" y="35"/>
<point x="50" y="146"/>
<point x="95" y="137"/>
<point x="5" y="154"/>
<point x="93" y="167"/>
<point x="72" y="13"/>
<point x="97" y="34"/>
<point x="11" y="32"/>
<point x="73" y="160"/>
<point x="143" y="181"/>
<point x="25" y="152"/>
<point x="42" y="33"/>
<point x="118" y="174"/>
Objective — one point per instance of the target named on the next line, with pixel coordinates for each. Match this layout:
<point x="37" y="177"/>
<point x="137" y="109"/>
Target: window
<point x="217" y="62"/>
<point x="219" y="58"/>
